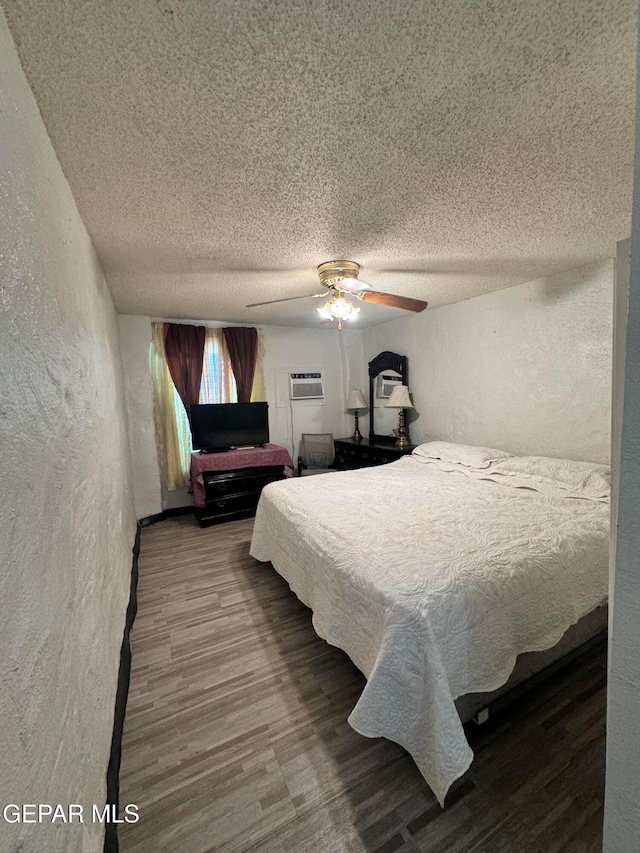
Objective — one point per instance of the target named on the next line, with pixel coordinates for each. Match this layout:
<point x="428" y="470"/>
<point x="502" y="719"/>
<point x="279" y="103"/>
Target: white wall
<point x="622" y="801"/>
<point x="338" y="354"/>
<point x="67" y="524"/>
<point x="135" y="340"/>
<point x="527" y="369"/>
<point x="620" y="309"/>
<point x="288" y="348"/>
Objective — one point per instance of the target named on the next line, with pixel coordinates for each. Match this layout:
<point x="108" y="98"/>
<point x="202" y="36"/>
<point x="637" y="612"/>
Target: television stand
<point x="227" y="486"/>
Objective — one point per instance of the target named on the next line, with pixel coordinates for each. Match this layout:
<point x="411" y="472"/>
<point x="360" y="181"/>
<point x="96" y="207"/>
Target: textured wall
<point x="526" y="369"/>
<point x="135" y="340"/>
<point x="66" y="517"/>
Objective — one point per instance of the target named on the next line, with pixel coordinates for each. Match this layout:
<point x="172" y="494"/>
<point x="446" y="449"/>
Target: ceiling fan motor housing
<point x="333" y="272"/>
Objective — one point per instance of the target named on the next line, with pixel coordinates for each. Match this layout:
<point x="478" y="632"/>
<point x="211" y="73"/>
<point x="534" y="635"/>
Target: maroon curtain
<point x="184" y="348"/>
<point x="242" y="344"/>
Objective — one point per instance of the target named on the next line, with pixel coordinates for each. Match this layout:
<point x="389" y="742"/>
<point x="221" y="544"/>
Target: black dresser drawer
<point x="216" y="487"/>
<point x="232" y="495"/>
<point x="235" y="503"/>
<point x="351" y="455"/>
<point x="350" y="459"/>
<point x="205" y="519"/>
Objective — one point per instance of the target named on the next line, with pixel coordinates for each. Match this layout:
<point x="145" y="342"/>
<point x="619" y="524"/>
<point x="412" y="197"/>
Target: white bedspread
<point x="433" y="581"/>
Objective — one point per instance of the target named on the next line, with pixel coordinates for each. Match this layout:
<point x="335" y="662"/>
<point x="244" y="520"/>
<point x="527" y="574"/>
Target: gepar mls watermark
<point x="70" y="813"/>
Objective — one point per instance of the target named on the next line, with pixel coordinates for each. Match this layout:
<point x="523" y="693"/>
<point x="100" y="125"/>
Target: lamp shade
<point x="356" y="400"/>
<point x="399" y="398"/>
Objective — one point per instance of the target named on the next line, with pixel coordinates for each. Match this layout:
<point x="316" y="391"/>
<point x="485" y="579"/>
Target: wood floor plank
<point x="236" y="736"/>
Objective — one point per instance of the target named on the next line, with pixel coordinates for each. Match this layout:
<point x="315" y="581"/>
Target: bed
<point x="433" y="573"/>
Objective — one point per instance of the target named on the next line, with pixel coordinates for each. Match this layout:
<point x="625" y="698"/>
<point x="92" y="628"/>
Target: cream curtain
<point x="218" y="385"/>
<point x="173" y="435"/>
<point x="259" y="390"/>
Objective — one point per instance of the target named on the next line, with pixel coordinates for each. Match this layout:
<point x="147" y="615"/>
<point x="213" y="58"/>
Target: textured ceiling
<point x="218" y="151"/>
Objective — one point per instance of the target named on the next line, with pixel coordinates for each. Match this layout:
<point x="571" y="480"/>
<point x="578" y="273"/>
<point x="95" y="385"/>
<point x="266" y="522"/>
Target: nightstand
<point x="365" y="454"/>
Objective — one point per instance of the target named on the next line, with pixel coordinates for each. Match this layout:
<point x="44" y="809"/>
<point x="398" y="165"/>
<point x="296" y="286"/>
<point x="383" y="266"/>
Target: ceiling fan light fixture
<point x="341" y="307"/>
<point x="337" y="308"/>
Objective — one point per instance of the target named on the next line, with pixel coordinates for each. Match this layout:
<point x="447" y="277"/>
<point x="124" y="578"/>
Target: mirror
<point x="386" y="371"/>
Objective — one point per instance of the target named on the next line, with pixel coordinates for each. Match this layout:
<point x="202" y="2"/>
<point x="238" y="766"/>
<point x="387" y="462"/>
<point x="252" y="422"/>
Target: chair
<point x="316" y="454"/>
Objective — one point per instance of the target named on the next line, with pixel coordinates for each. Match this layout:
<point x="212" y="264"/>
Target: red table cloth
<point x="250" y="457"/>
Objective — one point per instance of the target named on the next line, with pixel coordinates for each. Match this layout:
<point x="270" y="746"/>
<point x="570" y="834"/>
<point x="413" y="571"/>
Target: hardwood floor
<point x="236" y="736"/>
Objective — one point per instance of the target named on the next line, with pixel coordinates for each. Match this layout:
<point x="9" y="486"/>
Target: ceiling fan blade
<point x="353" y="285"/>
<point x="393" y="301"/>
<point x="286" y="299"/>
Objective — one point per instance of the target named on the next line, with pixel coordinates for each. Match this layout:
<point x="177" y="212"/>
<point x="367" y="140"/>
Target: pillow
<point x="580" y="478"/>
<point x="461" y="454"/>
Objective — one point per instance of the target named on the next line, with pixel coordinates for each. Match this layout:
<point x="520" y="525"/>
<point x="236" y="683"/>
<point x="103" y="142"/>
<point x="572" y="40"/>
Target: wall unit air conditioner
<point x="386" y="383"/>
<point x="307" y="386"/>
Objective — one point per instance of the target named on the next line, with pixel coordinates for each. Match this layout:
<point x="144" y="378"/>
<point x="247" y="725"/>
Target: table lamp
<point x="356" y="401"/>
<point x="400" y="400"/>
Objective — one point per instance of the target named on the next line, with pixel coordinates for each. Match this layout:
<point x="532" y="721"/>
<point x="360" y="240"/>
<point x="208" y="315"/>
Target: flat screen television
<point x="219" y="426"/>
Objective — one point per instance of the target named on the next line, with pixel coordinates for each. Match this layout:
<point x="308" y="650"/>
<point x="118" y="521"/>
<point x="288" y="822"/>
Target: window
<point x="218" y="385"/>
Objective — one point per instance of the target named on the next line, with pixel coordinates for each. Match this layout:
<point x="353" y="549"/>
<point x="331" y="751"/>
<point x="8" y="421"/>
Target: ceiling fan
<point x="340" y="278"/>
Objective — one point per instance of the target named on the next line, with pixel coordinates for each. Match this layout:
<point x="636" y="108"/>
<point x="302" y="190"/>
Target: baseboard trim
<point x="122" y="692"/>
<point x="166" y="513"/>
